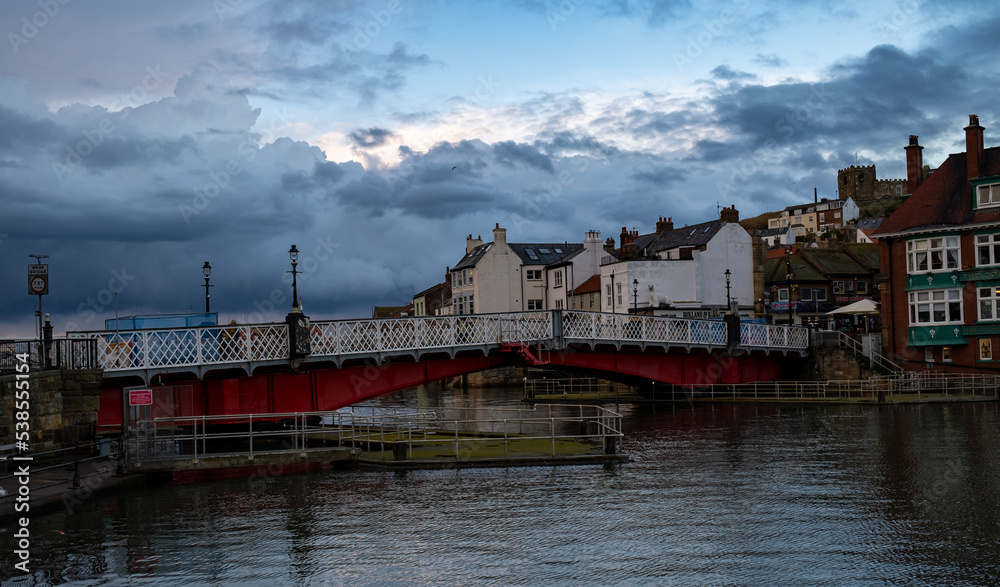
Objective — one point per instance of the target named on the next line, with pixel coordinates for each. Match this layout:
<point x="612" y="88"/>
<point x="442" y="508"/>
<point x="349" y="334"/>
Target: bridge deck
<point x="250" y="346"/>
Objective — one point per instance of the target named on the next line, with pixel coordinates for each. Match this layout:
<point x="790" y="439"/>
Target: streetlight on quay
<point x="293" y="254"/>
<point x="635" y="296"/>
<point x="788" y="278"/>
<point x="207" y="270"/>
<point x="613" y="294"/>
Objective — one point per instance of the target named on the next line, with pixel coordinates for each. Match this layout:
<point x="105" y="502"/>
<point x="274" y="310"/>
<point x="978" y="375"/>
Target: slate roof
<point x="945" y="198"/>
<point x="473" y="257"/>
<point x="543" y="253"/>
<point x="869" y="223"/>
<point x="593" y="284"/>
<point x="529" y="253"/>
<point x="864" y="253"/>
<point x="833" y="262"/>
<point x="776" y="271"/>
<point x="431" y="290"/>
<point x="694" y="235"/>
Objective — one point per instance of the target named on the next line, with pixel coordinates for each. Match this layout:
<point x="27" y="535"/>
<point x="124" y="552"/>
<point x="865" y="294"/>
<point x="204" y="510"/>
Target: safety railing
<point x="138" y="350"/>
<point x="484" y="435"/>
<point x="60" y="353"/>
<point x="861" y="350"/>
<point x="597" y="326"/>
<point x="384" y="434"/>
<point x="589" y="388"/>
<point x="888" y="388"/>
<point x="78" y="465"/>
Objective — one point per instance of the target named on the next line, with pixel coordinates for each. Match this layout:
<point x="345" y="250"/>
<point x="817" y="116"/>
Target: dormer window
<point x="988" y="195"/>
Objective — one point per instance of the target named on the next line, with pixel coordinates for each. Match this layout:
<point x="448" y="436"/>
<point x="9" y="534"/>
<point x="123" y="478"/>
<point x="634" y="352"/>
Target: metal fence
<point x="385" y="434"/>
<point x="884" y="388"/>
<point x="134" y="350"/>
<point x="61" y="354"/>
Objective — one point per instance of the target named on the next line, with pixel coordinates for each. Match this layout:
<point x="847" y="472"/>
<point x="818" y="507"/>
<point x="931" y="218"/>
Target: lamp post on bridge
<point x="635" y="296"/>
<point x="293" y="254"/>
<point x="207" y="270"/>
<point x="729" y="303"/>
<point x="299" y="346"/>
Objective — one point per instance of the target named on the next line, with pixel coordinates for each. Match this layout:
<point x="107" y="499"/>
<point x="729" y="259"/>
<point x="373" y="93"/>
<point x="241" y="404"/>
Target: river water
<point x="714" y="495"/>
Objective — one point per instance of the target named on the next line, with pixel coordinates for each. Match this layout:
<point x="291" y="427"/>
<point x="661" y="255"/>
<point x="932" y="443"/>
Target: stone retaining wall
<point x="63" y="408"/>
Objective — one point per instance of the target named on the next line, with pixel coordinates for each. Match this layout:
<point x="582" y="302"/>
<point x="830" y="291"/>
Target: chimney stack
<point x="499" y="235"/>
<point x="609" y="246"/>
<point x="664" y="225"/>
<point x="914" y="165"/>
<point x="815" y="197"/>
<point x="973" y="147"/>
<point x="472" y="243"/>
<point x="730" y="214"/>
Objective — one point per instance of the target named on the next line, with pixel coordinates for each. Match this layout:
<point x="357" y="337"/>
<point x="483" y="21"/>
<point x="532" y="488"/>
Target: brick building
<point x="940" y="258"/>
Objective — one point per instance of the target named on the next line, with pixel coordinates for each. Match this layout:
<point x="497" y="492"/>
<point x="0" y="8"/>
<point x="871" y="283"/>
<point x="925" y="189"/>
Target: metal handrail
<point x="876" y="358"/>
<point x="381" y="426"/>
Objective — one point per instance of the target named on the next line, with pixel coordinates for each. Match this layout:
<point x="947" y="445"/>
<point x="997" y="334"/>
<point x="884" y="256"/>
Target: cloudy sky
<point x="140" y="139"/>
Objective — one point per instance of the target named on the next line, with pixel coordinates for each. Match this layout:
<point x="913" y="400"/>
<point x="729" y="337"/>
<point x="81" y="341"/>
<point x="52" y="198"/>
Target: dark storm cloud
<point x="509" y="153"/>
<point x="21" y="131"/>
<point x="711" y="151"/>
<point x="564" y="143"/>
<point x="645" y="123"/>
<point x="865" y="100"/>
<point x="371" y="137"/>
<point x="660" y="177"/>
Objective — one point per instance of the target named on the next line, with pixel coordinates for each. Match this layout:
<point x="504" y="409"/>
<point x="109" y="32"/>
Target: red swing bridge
<point x="303" y="366"/>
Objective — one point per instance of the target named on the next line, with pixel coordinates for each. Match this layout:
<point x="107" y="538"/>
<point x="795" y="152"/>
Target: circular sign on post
<point x="37" y="284"/>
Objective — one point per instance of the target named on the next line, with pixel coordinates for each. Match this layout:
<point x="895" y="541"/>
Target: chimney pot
<point x="914" y="165"/>
<point x="973" y="147"/>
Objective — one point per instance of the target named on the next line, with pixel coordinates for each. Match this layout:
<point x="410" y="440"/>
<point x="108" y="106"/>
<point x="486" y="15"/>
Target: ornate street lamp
<point x="635" y="296"/>
<point x="788" y="277"/>
<point x="207" y="270"/>
<point x="293" y="254"/>
<point x="729" y="303"/>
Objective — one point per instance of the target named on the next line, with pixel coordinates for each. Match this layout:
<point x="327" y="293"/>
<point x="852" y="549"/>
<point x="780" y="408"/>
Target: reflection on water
<point x="715" y="495"/>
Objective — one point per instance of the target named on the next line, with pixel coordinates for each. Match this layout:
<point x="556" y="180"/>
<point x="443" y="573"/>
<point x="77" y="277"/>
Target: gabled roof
<point x="566" y="258"/>
<point x="864" y="253"/>
<point x="833" y="262"/>
<point x="775" y="270"/>
<point x="543" y="253"/>
<point x="431" y="290"/>
<point x="593" y="284"/>
<point x="695" y="235"/>
<point x="945" y="198"/>
<point x="473" y="257"/>
<point x="869" y="223"/>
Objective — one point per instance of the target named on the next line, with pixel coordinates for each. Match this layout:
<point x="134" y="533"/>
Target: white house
<point x="682" y="271"/>
<point x="776" y="237"/>
<point x="508" y="277"/>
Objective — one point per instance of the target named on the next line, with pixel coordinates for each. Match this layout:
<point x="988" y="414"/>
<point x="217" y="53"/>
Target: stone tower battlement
<point x="861" y="184"/>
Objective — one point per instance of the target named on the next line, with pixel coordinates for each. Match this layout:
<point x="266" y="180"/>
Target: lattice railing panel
<point x="179" y="347"/>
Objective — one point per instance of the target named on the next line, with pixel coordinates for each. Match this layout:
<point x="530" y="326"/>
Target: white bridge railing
<point x="249" y="344"/>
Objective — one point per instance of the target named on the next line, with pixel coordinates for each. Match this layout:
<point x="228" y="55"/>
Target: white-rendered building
<point x="682" y="272"/>
<point x="510" y="277"/>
